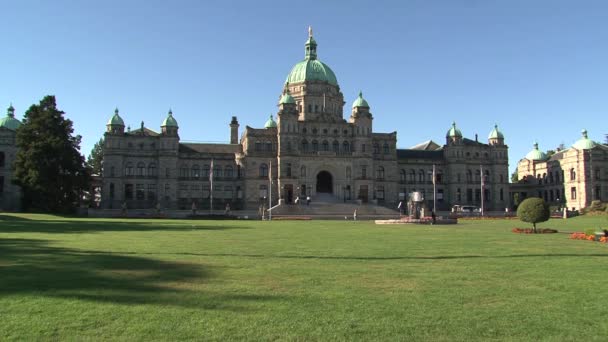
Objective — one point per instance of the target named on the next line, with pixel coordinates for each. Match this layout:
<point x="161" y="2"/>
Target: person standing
<point x="355" y="215"/>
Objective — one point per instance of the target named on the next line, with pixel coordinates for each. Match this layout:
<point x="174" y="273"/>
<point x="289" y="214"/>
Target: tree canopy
<point x="95" y="159"/>
<point x="48" y="165"/>
<point x="533" y="210"/>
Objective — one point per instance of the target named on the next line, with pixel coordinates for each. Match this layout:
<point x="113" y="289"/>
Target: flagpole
<point x="434" y="190"/>
<point x="211" y="193"/>
<point x="270" y="190"/>
<point x="482" y="194"/>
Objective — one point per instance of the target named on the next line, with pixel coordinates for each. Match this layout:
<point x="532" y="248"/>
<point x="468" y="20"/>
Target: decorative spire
<point x="536" y="145"/>
<point x="116" y="111"/>
<point x="10" y="111"/>
<point x="310" y="46"/>
<point x="142" y="125"/>
<point x="584" y="132"/>
<point x="170" y="112"/>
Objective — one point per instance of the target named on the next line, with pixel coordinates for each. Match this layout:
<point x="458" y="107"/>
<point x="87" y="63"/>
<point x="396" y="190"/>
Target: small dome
<point x="9" y="121"/>
<point x="360" y="101"/>
<point x="270" y="123"/>
<point x="287" y="99"/>
<point x="496" y="133"/>
<point x="453" y="132"/>
<point x="584" y="143"/>
<point x="116" y="120"/>
<point x="536" y="154"/>
<point x="169" y="121"/>
<point x="311" y="70"/>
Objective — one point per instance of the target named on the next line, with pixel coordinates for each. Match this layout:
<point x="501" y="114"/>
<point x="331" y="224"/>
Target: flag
<point x="270" y="172"/>
<point x="434" y="175"/>
<point x="483" y="181"/>
<point x="211" y="175"/>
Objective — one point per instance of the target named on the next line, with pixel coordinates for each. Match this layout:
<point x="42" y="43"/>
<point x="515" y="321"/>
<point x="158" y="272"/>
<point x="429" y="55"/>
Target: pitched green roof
<point x="116" y="120"/>
<point x="360" y="101"/>
<point x="169" y="121"/>
<point x="270" y="123"/>
<point x="584" y="143"/>
<point x="287" y="99"/>
<point x="453" y="132"/>
<point x="536" y="154"/>
<point x="496" y="133"/>
<point x="9" y="121"/>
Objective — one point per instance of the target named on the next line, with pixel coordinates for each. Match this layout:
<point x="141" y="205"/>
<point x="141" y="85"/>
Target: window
<point x="363" y="172"/>
<point x="111" y="190"/>
<point x="325" y="145"/>
<point x="486" y="176"/>
<point x="402" y="176"/>
<point x="376" y="148"/>
<point x="597" y="174"/>
<point x="128" y="191"/>
<point x="258" y="146"/>
<point x="380" y="192"/>
<point x="380" y="173"/>
<point x="336" y="146"/>
<point x="288" y="145"/>
<point x="412" y="176"/>
<point x="205" y="172"/>
<point x="469" y="176"/>
<point x="346" y="147"/>
<point x="141" y="169"/>
<point x="421" y="176"/>
<point x="477" y="176"/>
<point x="573" y="193"/>
<point x="112" y="171"/>
<point x="303" y="171"/>
<point x="304" y="146"/>
<point x="597" y="195"/>
<point x="139" y="191"/>
<point x="268" y="146"/>
<point x="348" y="172"/>
<point x="315" y="146"/>
<point x="263" y="191"/>
<point x="458" y="195"/>
<point x="183" y="171"/>
<point x="152" y="192"/>
<point x="129" y="169"/>
<point x="502" y="194"/>
<point x="263" y="170"/>
<point x="469" y="195"/>
<point x="288" y="169"/>
<point x="217" y="171"/>
<point x="196" y="172"/>
<point x="1" y="159"/>
<point x="572" y="174"/>
<point x="385" y="148"/>
<point x="167" y="172"/>
<point x="228" y="173"/>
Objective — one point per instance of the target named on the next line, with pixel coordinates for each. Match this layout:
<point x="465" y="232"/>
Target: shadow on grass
<point x="15" y="224"/>
<point x="33" y="267"/>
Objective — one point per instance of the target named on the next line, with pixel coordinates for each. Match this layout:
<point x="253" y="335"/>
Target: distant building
<point x="570" y="178"/>
<point x="10" y="194"/>
<point x="310" y="150"/>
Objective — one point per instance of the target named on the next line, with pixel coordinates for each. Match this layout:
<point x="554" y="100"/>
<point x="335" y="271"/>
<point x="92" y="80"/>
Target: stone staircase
<point x="326" y="206"/>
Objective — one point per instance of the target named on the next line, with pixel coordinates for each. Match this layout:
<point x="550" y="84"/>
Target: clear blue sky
<point x="537" y="68"/>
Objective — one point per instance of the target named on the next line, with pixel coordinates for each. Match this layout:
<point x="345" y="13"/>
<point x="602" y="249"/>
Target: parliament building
<point x="308" y="150"/>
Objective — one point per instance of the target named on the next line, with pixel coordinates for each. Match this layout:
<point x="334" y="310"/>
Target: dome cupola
<point x="115" y="125"/>
<point x="9" y="121"/>
<point x="584" y="143"/>
<point x="453" y="132"/>
<point x="169" y="120"/>
<point x="496" y="133"/>
<point x="360" y="101"/>
<point x="270" y="123"/>
<point x="311" y="69"/>
<point x="536" y="154"/>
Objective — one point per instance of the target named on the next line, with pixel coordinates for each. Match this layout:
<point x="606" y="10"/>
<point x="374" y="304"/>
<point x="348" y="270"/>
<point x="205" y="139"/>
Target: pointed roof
<point x="169" y="120"/>
<point x="496" y="133"/>
<point x="360" y="101"/>
<point x="116" y="120"/>
<point x="453" y="131"/>
<point x="270" y="123"/>
<point x="428" y="145"/>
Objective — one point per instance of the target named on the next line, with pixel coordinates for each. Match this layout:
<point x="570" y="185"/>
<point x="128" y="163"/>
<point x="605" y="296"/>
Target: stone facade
<point x="311" y="150"/>
<point x="10" y="194"/>
<point x="570" y="178"/>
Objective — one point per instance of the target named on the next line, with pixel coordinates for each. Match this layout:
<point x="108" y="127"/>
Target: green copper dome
<point x="496" y="134"/>
<point x="311" y="69"/>
<point x="584" y="143"/>
<point x="536" y="154"/>
<point x="453" y="132"/>
<point x="116" y="120"/>
<point x="287" y="99"/>
<point x="9" y="121"/>
<point x="169" y="121"/>
<point x="270" y="123"/>
<point x="360" y="101"/>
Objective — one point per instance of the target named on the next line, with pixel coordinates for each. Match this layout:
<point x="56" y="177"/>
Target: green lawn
<point x="88" y="279"/>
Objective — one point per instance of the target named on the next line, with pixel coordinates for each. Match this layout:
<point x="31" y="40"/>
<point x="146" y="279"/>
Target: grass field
<point x="87" y="279"/>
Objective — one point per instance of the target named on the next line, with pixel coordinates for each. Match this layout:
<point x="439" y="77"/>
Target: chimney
<point x="234" y="131"/>
<point x="475" y="137"/>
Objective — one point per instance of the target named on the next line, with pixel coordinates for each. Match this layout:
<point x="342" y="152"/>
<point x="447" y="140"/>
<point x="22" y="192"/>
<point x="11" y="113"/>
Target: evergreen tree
<point x="95" y="159"/>
<point x="48" y="165"/>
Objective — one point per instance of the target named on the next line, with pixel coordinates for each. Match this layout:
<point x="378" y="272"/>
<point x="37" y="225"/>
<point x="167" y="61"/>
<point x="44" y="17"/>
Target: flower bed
<point x="531" y="231"/>
<point x="588" y="237"/>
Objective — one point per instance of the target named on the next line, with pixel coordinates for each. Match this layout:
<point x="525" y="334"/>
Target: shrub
<point x="533" y="210"/>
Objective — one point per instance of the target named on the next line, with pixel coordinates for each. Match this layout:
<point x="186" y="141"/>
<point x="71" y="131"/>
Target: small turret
<point x="234" y="131"/>
<point x="496" y="138"/>
<point x="270" y="123"/>
<point x="115" y="125"/>
<point x="453" y="136"/>
<point x="169" y="125"/>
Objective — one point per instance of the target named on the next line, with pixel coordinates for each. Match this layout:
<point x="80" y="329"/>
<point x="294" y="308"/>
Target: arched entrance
<point x="324" y="182"/>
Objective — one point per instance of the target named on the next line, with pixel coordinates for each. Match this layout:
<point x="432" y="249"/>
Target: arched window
<point x="183" y="171"/>
<point x="263" y="170"/>
<point x="363" y="172"/>
<point x="129" y="169"/>
<point x="376" y="148"/>
<point x="228" y="172"/>
<point x="412" y="176"/>
<point x="402" y="176"/>
<point x="258" y="146"/>
<point x="217" y="171"/>
<point x="421" y="176"/>
<point x="141" y="169"/>
<point x="336" y="146"/>
<point x="1" y="159"/>
<point x="112" y="190"/>
<point x="288" y="145"/>
<point x="477" y="176"/>
<point x="268" y="146"/>
<point x="151" y="169"/>
<point x="385" y="148"/>
<point x="470" y="176"/>
<point x="315" y="146"/>
<point x="303" y="171"/>
<point x="304" y="145"/>
<point x="348" y="172"/>
<point x="380" y="173"/>
<point x="556" y="177"/>
<point x="573" y="177"/>
<point x="346" y="147"/>
<point x="196" y="172"/>
<point x="205" y="171"/>
<point x="501" y="178"/>
<point x="486" y="177"/>
<point x="325" y="145"/>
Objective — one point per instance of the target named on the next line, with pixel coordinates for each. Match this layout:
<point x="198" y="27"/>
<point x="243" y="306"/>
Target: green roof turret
<point x="311" y="69"/>
<point x="584" y="143"/>
<point x="536" y="154"/>
<point x="360" y="101"/>
<point x="270" y="123"/>
<point x="169" y="120"/>
<point x="287" y="98"/>
<point x="453" y="132"/>
<point x="496" y="133"/>
<point x="9" y="121"/>
<point x="116" y="120"/>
